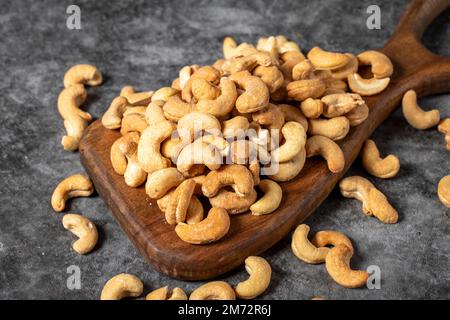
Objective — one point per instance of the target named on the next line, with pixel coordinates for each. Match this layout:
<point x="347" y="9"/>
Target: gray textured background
<point x="144" y="44"/>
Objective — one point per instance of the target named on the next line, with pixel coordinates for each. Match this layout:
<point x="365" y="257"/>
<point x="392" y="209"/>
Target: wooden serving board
<point x="415" y="68"/>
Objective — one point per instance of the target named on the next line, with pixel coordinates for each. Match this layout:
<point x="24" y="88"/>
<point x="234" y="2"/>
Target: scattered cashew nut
<point x="259" y="280"/>
<point x="82" y="74"/>
<point x="84" y="229"/>
<point x="163" y="294"/>
<point x="327" y="148"/>
<point x="76" y="185"/>
<point x="377" y="166"/>
<point x="444" y="191"/>
<point x="215" y="290"/>
<point x="121" y="286"/>
<point x="415" y="116"/>
<point x="304" y="249"/>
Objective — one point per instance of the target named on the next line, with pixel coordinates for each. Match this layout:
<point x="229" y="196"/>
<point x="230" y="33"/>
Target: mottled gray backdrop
<point x="144" y="44"/>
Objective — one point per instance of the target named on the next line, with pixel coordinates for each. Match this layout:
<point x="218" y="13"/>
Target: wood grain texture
<point x="415" y="68"/>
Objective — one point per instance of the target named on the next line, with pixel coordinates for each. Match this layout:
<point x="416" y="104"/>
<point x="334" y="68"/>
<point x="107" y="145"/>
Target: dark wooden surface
<point x="414" y="68"/>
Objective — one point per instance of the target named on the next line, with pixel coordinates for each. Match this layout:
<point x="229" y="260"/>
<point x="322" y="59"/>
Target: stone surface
<point x="144" y="44"/>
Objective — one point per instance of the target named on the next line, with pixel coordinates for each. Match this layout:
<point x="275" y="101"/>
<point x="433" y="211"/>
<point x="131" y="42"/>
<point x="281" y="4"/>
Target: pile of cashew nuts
<point x="228" y="133"/>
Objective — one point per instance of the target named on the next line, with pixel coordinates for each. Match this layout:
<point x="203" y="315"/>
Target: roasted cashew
<point x="338" y="104"/>
<point x="119" y="160"/>
<point x="161" y="181"/>
<point x="204" y="90"/>
<point x="164" y="93"/>
<point x="256" y="94"/>
<point x="219" y="143"/>
<point x="295" y="139"/>
<point x="178" y="204"/>
<point x="330" y="238"/>
<point x="271" y="199"/>
<point x="231" y="49"/>
<point x="75" y="120"/>
<point x="136" y="98"/>
<point x="194" y="212"/>
<point x="292" y="113"/>
<point x="215" y="290"/>
<point x="171" y="148"/>
<point x="224" y="103"/>
<point x="366" y="87"/>
<point x="415" y="116"/>
<point x="290" y="169"/>
<point x="307" y="88"/>
<point x="246" y="151"/>
<point x="272" y="117"/>
<point x="134" y="120"/>
<point x="175" y="108"/>
<point x="326" y="59"/>
<point x="121" y="286"/>
<point x="249" y="62"/>
<point x="377" y="166"/>
<point x="289" y="60"/>
<point x="233" y="174"/>
<point x="381" y="65"/>
<point x="112" y="118"/>
<point x="198" y="153"/>
<point x="337" y="264"/>
<point x="154" y="113"/>
<point x="444" y="191"/>
<point x="259" y="280"/>
<point x="312" y="108"/>
<point x="232" y="202"/>
<point x="235" y="127"/>
<point x="374" y="203"/>
<point x="185" y="73"/>
<point x="334" y="128"/>
<point x="73" y="186"/>
<point x="358" y="115"/>
<point x="82" y="74"/>
<point x="303" y="70"/>
<point x="271" y="76"/>
<point x="327" y="148"/>
<point x="84" y="229"/>
<point x="148" y="152"/>
<point x="351" y="67"/>
<point x="196" y="122"/>
<point x="304" y="249"/>
<point x="207" y="73"/>
<point x="163" y="294"/>
<point x="134" y="174"/>
<point x="214" y="227"/>
<point x="444" y="127"/>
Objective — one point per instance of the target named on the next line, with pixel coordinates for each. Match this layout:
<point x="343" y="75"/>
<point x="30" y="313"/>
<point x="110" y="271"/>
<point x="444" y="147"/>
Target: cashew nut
<point x="198" y="152"/>
<point x="194" y="212"/>
<point x="415" y="116"/>
<point x="224" y="103"/>
<point x="75" y="120"/>
<point x="358" y="115"/>
<point x="163" y="294"/>
<point x="118" y="159"/>
<point x="148" y="152"/>
<point x="161" y="181"/>
<point x="197" y="122"/>
<point x="290" y="169"/>
<point x="322" y="59"/>
<point x="235" y="127"/>
<point x="272" y="117"/>
<point x="367" y="87"/>
<point x="289" y="60"/>
<point x="302" y="70"/>
<point x="374" y="203"/>
<point x="232" y="202"/>
<point x="337" y="264"/>
<point x="248" y="62"/>
<point x="231" y="49"/>
<point x="134" y="174"/>
<point x="164" y="93"/>
<point x="82" y="74"/>
<point x="381" y="65"/>
<point x="444" y="191"/>
<point x="349" y="68"/>
<point x="175" y="108"/>
<point x="212" y="228"/>
<point x="256" y="94"/>
<point x="246" y="151"/>
<point x="204" y="90"/>
<point x="334" y="128"/>
<point x="215" y="290"/>
<point x="271" y="76"/>
<point x="121" y="286"/>
<point x="300" y="90"/>
<point x="271" y="199"/>
<point x="292" y="113"/>
<point x="312" y="108"/>
<point x="185" y="73"/>
<point x="338" y="104"/>
<point x="84" y="229"/>
<point x="178" y="204"/>
<point x="136" y="98"/>
<point x="375" y="165"/>
<point x="444" y="127"/>
<point x="76" y="185"/>
<point x="304" y="249"/>
<point x="295" y="138"/>
<point x="220" y="143"/>
<point x="331" y="238"/>
<point x="259" y="280"/>
<point x="237" y="175"/>
<point x="327" y="148"/>
<point x="171" y="148"/>
<point x="207" y="73"/>
<point x="134" y="119"/>
<point x="112" y="118"/>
